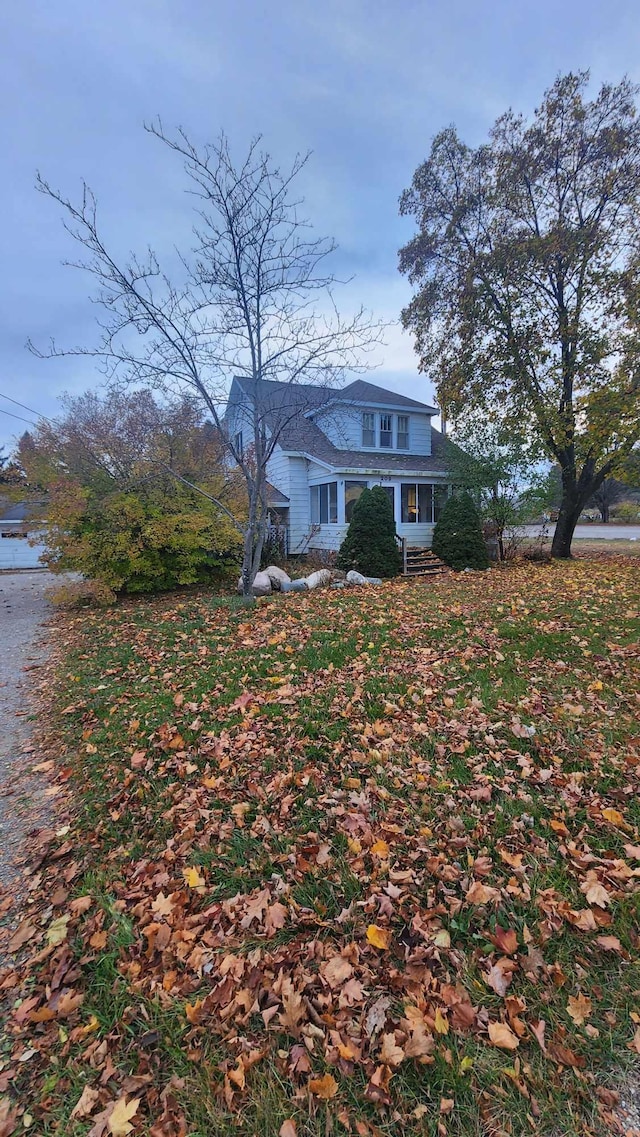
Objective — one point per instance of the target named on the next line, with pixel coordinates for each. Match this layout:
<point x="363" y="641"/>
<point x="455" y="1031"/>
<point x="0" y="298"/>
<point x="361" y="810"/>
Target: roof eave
<point x="400" y="408"/>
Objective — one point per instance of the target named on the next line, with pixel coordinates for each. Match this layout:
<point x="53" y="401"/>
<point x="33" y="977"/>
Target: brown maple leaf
<point x="390" y="1053"/>
<point x="500" y="976"/>
<point x="336" y="971"/>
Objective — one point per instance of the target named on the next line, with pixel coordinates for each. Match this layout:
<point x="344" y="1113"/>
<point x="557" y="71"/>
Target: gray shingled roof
<point x="362" y="392"/>
<point x="301" y="434"/>
<point x="275" y="496"/>
<point x="20" y="510"/>
<point x="310" y="395"/>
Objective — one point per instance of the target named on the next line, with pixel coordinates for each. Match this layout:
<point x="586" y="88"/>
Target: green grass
<point x="447" y="724"/>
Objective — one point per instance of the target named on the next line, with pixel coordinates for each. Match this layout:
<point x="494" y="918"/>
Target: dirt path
<point x="24" y="803"/>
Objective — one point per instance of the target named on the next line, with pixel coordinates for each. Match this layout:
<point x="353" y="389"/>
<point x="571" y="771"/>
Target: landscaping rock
<point x="294" y="586"/>
<point x="261" y="584"/>
<point x="354" y="577"/>
<point x="373" y="579"/>
<point x="317" y="579"/>
<point x="277" y="576"/>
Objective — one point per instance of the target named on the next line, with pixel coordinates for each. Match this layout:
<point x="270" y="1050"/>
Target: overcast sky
<point x="364" y="84"/>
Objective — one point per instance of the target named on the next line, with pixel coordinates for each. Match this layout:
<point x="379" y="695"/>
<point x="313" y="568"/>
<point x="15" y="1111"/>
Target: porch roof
<point x="275" y="496"/>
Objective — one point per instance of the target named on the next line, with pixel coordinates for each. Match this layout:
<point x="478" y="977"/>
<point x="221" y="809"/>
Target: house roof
<point x="310" y="396"/>
<point x="285" y="407"/>
<point x="19" y="511"/>
<point x="325" y="451"/>
<point x="275" y="496"/>
<point x="362" y="392"/>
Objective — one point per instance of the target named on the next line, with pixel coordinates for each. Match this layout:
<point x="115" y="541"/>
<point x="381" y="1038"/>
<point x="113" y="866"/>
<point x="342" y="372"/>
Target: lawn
<point x="359" y="862"/>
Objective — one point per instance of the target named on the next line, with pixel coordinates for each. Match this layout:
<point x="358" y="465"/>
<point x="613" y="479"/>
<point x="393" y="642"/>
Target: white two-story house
<point x="329" y="445"/>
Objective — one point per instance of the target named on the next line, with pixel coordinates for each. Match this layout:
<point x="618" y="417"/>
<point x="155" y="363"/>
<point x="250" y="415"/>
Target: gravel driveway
<point x="24" y="805"/>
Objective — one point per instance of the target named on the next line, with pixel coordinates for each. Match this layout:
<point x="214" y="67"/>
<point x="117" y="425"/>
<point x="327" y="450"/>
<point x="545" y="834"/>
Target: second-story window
<point x="402" y="442"/>
<point x="386" y="431"/>
<point x="368" y="429"/>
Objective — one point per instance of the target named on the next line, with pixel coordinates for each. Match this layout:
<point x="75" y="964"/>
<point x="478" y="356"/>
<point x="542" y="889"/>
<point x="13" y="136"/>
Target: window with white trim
<point x="368" y="428"/>
<point x="324" y="504"/>
<point x="402" y="432"/>
<point x="386" y="432"/>
<point x="416" y="500"/>
<point x="352" y="491"/>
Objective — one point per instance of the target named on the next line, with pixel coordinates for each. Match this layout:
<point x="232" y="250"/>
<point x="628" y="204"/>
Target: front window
<point x="403" y="432"/>
<point x="416" y="499"/>
<point x="368" y="429"/>
<point x="386" y="431"/>
<point x="352" y="491"/>
<point x="324" y="504"/>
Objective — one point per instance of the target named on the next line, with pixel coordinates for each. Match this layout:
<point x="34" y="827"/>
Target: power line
<point x="24" y="407"/>
<point x="22" y="419"/>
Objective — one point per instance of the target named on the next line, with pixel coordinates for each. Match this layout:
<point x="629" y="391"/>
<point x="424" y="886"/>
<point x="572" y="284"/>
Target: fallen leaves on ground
<point x="336" y="854"/>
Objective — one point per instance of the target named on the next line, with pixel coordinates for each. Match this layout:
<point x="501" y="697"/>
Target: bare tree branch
<point x="255" y="300"/>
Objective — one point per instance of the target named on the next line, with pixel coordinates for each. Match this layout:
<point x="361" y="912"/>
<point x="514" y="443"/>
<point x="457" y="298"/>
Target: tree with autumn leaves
<point x="138" y="497"/>
<point x="526" y="267"/>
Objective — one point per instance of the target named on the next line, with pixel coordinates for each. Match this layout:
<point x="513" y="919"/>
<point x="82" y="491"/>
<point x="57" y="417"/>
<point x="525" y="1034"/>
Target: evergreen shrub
<point x="457" y="537"/>
<point x="370" y="545"/>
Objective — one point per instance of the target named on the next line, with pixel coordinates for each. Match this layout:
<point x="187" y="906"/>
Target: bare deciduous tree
<point x="254" y="300"/>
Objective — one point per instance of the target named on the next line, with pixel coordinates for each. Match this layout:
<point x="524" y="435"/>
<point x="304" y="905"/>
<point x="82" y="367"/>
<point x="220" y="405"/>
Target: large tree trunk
<point x="563" y="536"/>
<point x="570" y="510"/>
<point x="576" y="492"/>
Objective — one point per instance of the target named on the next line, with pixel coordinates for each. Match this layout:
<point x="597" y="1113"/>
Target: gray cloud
<point x="363" y="85"/>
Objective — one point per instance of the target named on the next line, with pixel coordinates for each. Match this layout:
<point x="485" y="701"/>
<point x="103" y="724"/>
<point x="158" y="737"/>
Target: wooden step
<point x="420" y="561"/>
<point x="434" y="567"/>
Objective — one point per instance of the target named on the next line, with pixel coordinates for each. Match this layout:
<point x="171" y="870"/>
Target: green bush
<point x="627" y="512"/>
<point x="158" y="537"/>
<point x="457" y="537"/>
<point x="370" y="544"/>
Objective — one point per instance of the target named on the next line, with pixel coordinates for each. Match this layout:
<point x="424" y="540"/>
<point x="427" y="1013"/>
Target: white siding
<point x="318" y="473"/>
<point x="343" y="427"/>
<point x="330" y="537"/>
<point x="299" y="508"/>
<point x="17" y="553"/>
<point x="419" y="434"/>
<point x="238" y="417"/>
<point x="278" y="472"/>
